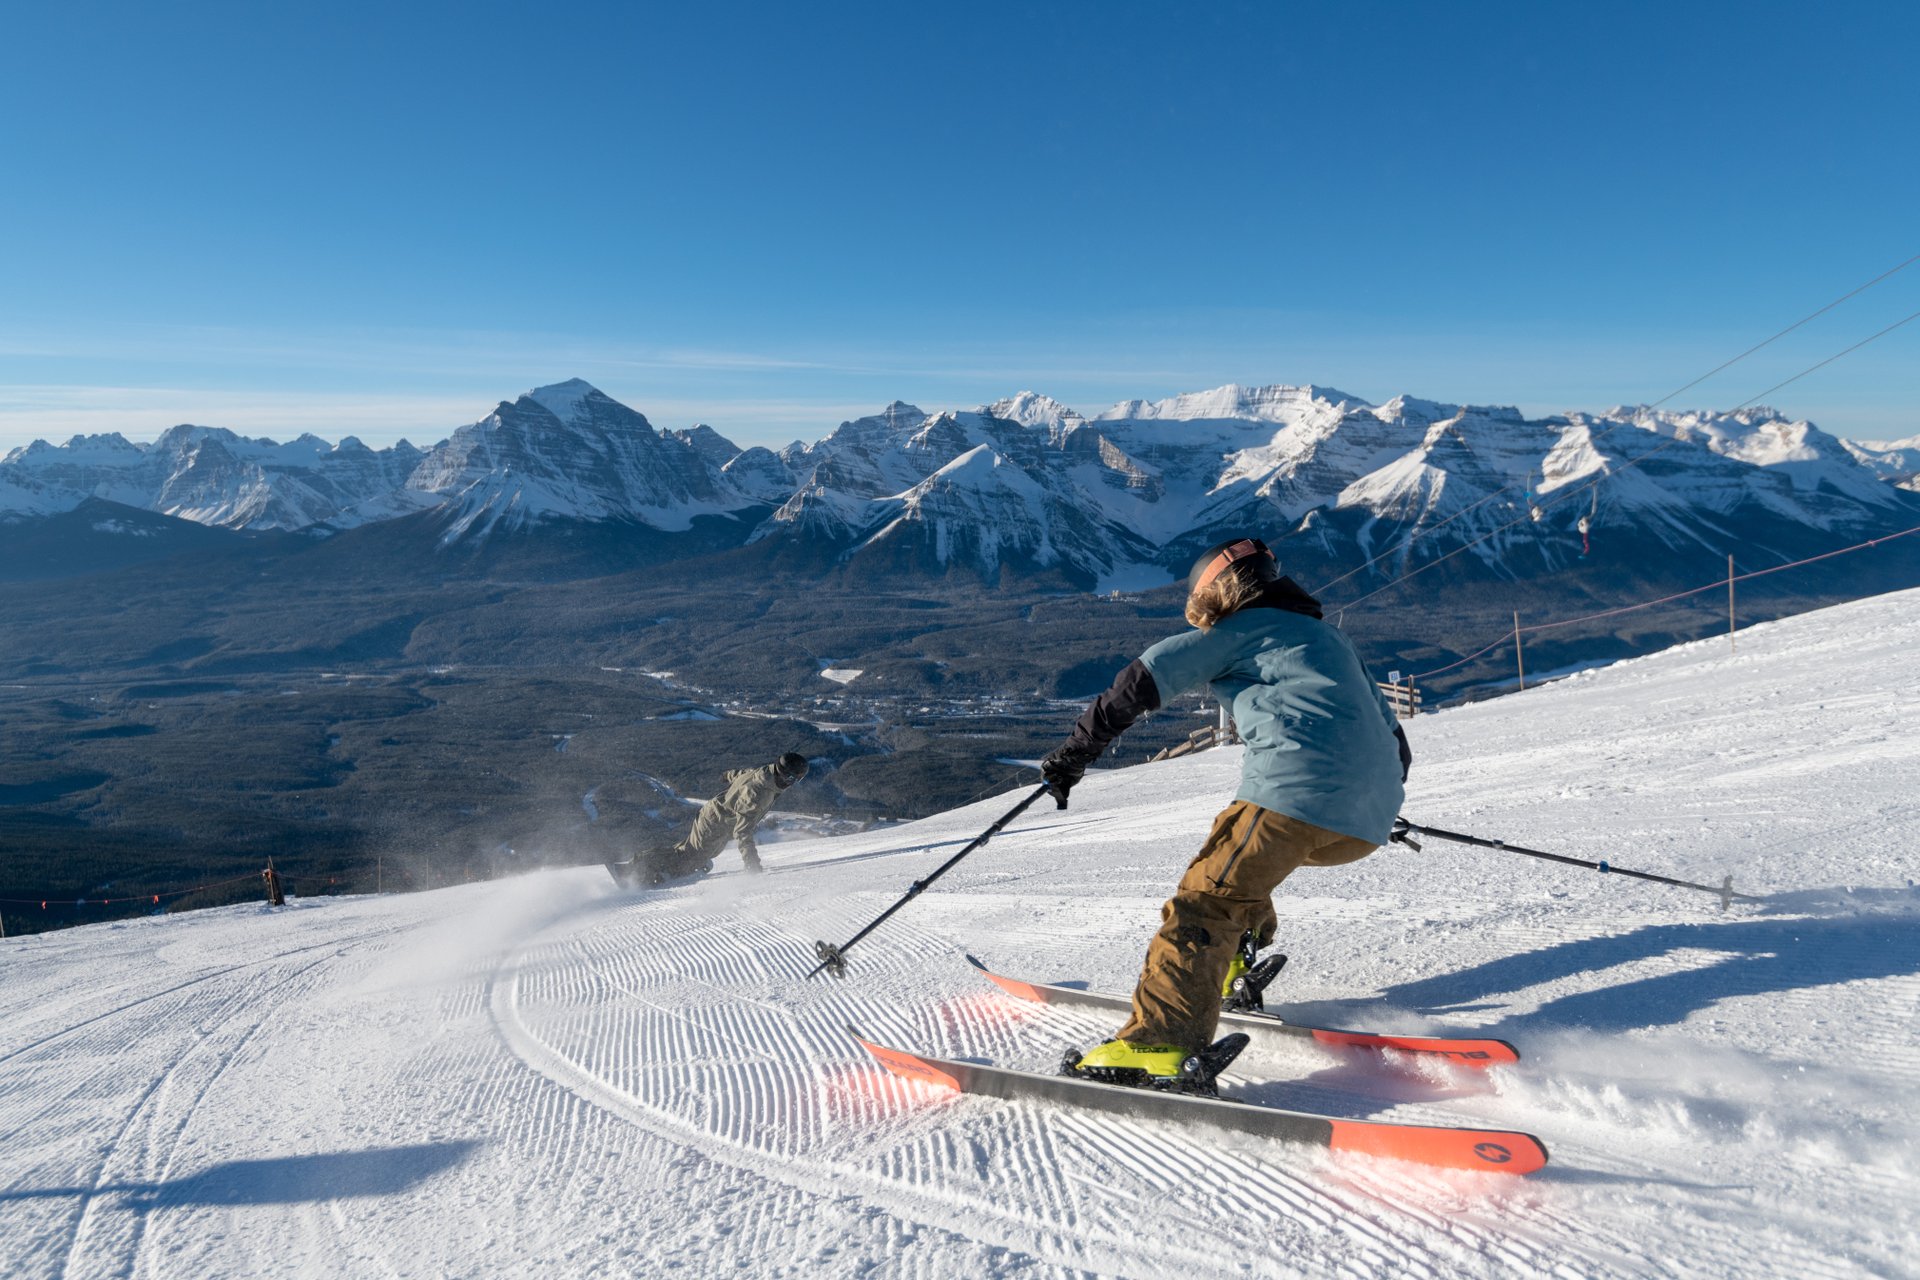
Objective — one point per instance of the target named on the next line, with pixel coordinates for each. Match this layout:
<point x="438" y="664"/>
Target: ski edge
<point x="1468" y="1052"/>
<point x="1499" y="1151"/>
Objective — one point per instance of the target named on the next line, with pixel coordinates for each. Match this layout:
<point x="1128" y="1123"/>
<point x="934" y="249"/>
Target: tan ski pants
<point x="1227" y="891"/>
<point x="713" y="826"/>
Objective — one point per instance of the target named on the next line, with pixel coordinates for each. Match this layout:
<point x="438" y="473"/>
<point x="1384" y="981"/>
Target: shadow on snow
<point x="1779" y="952"/>
<point x="332" y="1175"/>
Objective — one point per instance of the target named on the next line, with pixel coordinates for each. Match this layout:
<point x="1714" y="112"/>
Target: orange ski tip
<point x="1012" y="986"/>
<point x="1487" y="1151"/>
<point x="1466" y="1053"/>
<point x="906" y="1065"/>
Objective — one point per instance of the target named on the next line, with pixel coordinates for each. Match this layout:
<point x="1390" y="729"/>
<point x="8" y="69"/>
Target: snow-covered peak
<point x="980" y="468"/>
<point x="1278" y="403"/>
<point x="109" y="449"/>
<point x="708" y="443"/>
<point x="1764" y="437"/>
<point x="1031" y="409"/>
<point x="214" y="476"/>
<point x="1895" y="461"/>
<point x="1911" y="442"/>
<point x="570" y="452"/>
<point x="1760" y="435"/>
<point x="563" y="399"/>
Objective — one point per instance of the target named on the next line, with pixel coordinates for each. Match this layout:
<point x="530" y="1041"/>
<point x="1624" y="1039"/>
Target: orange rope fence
<point x="50" y="901"/>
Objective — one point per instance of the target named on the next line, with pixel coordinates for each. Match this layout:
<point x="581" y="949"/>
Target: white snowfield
<point x="544" y="1076"/>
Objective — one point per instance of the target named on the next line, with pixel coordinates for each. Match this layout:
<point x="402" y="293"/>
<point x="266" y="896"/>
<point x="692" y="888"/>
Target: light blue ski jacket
<point x="1319" y="733"/>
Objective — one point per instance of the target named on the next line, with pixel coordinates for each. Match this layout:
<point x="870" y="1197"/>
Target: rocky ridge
<point x="1121" y="497"/>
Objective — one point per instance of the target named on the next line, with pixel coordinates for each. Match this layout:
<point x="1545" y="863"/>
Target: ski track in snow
<point x="544" y="1074"/>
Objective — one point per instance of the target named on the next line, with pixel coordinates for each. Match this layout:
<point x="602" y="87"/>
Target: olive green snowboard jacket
<point x="735" y="813"/>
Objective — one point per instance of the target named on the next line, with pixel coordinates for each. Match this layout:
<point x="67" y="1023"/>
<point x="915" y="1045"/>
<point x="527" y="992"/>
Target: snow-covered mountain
<point x="972" y="489"/>
<point x="1335" y="481"/>
<point x="570" y="451"/>
<point x="208" y="475"/>
<point x="1124" y="494"/>
<point x="543" y="1075"/>
<point x="1412" y="480"/>
<point x="1895" y="461"/>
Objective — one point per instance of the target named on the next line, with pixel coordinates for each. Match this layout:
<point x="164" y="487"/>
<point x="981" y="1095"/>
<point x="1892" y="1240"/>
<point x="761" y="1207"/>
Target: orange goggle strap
<point x="1241" y="550"/>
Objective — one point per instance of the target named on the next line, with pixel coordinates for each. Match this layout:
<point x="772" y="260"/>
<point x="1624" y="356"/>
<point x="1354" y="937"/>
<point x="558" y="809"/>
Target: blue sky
<point x="381" y="219"/>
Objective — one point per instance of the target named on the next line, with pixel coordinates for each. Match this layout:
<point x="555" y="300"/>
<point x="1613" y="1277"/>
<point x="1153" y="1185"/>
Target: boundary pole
<point x="1732" y="644"/>
<point x="1519" y="658"/>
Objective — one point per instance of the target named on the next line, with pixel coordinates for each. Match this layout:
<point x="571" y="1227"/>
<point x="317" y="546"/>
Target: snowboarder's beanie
<point x="1247" y="557"/>
<point x="792" y="766"/>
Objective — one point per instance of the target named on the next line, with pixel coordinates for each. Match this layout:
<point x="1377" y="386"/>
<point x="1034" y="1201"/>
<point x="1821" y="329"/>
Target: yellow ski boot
<point x="1154" y="1066"/>
<point x="1247" y="977"/>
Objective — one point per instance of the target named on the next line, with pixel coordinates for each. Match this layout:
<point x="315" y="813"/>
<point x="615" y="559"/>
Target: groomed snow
<point x="544" y="1076"/>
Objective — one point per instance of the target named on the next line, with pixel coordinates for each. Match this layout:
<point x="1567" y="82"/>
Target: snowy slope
<point x="542" y="1075"/>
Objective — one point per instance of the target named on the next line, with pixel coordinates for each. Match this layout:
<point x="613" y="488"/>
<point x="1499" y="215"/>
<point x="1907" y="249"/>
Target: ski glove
<point x="1063" y="767"/>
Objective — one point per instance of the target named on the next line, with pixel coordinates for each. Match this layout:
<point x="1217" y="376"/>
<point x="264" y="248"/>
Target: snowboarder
<point x="1320" y="785"/>
<point x="734" y="814"/>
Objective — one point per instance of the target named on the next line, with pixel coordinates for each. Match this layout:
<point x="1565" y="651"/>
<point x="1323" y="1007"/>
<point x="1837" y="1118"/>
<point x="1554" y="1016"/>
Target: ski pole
<point x="1404" y="831"/>
<point x="834" y="959"/>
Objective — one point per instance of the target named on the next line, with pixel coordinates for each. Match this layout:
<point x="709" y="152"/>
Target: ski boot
<point x="1165" y="1067"/>
<point x="1247" y="977"/>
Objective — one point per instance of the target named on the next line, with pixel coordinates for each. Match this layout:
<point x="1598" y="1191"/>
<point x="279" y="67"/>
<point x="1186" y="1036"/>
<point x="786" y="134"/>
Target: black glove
<point x="1062" y="768"/>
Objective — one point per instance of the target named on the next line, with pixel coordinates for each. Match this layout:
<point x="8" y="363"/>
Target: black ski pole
<point x="834" y="959"/>
<point x="1404" y="831"/>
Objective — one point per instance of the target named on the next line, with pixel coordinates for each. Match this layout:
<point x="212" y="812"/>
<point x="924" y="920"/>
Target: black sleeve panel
<point x="1131" y="695"/>
<point x="1406" y="752"/>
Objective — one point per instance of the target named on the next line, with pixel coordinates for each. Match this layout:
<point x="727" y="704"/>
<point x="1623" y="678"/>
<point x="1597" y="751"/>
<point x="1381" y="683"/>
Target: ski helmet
<point x="789" y="768"/>
<point x="1248" y="557"/>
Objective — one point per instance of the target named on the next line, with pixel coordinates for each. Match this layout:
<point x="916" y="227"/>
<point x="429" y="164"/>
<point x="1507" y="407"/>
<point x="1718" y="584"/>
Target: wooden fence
<point x="1403" y="697"/>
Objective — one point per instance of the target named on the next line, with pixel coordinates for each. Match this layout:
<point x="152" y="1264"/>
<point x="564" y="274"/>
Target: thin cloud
<point x="417" y="354"/>
<point x="414" y="353"/>
<point x="46" y="412"/>
<point x="55" y="412"/>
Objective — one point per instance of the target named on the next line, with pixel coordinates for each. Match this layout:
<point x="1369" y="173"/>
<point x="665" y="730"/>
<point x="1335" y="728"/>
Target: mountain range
<point x="1027" y="485"/>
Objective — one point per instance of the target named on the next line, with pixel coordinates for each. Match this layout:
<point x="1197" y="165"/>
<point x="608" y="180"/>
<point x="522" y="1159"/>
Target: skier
<point x="733" y="814"/>
<point x="1320" y="785"/>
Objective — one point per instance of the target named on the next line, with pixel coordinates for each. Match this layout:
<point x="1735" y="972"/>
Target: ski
<point x="1266" y="1026"/>
<point x="1488" y="1150"/>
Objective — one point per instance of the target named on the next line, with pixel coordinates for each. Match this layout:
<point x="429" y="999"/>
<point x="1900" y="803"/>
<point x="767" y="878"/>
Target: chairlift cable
<point x="1629" y="463"/>
<point x="1724" y="365"/>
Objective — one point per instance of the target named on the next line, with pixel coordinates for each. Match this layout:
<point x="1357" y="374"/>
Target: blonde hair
<point x="1212" y="601"/>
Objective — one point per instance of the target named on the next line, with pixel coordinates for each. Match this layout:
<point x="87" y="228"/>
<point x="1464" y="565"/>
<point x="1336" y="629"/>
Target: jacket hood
<point x="1285" y="594"/>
